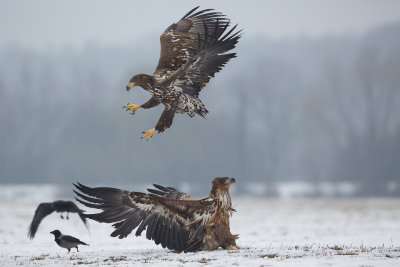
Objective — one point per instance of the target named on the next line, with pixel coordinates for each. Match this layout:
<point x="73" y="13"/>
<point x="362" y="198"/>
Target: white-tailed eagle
<point x="192" y="51"/>
<point x="169" y="217"/>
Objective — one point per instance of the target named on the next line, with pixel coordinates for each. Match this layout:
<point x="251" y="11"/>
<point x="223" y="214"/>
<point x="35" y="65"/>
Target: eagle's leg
<point x="148" y="133"/>
<point x="231" y="244"/>
<point x="163" y="123"/>
<point x="67" y="215"/>
<point x="62" y="217"/>
<point x="233" y="247"/>
<point x="77" y="249"/>
<point x="152" y="102"/>
<point x="131" y="107"/>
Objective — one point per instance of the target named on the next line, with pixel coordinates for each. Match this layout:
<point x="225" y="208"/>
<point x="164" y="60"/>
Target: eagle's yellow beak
<point x="129" y="86"/>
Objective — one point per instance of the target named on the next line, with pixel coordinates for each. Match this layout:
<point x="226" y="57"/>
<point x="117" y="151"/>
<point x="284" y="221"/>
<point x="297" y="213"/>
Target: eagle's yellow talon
<point x="132" y="107"/>
<point x="231" y="247"/>
<point x="148" y="133"/>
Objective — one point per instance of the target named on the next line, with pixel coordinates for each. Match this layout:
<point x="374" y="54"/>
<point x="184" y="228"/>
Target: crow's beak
<point x="129" y="86"/>
<point x="233" y="180"/>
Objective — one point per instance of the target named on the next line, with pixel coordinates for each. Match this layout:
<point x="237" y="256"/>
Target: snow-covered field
<point x="273" y="232"/>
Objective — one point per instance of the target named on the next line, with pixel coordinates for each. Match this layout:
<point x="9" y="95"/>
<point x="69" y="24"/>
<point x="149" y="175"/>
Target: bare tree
<point x="364" y="130"/>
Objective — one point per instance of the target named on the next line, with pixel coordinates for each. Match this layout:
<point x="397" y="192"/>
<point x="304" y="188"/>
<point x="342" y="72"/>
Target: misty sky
<point x="42" y="24"/>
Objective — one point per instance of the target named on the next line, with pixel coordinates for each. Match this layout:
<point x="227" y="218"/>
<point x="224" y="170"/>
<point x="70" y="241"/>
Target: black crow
<point x="66" y="241"/>
<point x="45" y="209"/>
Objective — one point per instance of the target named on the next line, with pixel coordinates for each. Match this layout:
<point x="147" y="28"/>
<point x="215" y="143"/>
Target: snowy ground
<point x="273" y="232"/>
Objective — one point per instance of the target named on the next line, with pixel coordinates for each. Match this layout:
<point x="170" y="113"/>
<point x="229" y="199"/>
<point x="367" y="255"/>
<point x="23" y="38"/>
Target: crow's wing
<point x="42" y="211"/>
<point x="69" y="206"/>
<point x="74" y="208"/>
<point x="72" y="239"/>
<point x="82" y="216"/>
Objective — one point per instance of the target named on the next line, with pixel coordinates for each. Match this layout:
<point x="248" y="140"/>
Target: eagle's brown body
<point x="192" y="51"/>
<point x="217" y="232"/>
<point x="170" y="218"/>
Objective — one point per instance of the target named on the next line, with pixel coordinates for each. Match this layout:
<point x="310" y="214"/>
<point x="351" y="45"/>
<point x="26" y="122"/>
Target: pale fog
<point x="310" y="106"/>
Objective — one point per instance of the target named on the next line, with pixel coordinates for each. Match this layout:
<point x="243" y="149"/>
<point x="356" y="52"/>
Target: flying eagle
<point x="45" y="209"/>
<point x="170" y="218"/>
<point x="192" y="51"/>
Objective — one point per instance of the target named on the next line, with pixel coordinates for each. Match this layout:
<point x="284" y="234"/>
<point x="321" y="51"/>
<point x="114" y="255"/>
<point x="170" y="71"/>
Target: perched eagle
<point x="170" y="218"/>
<point x="192" y="51"/>
<point x="45" y="209"/>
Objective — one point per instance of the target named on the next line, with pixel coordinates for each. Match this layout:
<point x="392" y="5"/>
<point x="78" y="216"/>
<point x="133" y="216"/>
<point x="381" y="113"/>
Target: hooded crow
<point x="66" y="241"/>
<point x="45" y="209"/>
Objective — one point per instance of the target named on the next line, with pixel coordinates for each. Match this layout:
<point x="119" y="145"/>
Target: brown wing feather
<point x="179" y="42"/>
<point x="42" y="211"/>
<point x="210" y="58"/>
<point x="169" y="192"/>
<point x="130" y="210"/>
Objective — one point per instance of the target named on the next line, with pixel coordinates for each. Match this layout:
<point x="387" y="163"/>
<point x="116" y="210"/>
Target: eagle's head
<point x="143" y="80"/>
<point x="223" y="182"/>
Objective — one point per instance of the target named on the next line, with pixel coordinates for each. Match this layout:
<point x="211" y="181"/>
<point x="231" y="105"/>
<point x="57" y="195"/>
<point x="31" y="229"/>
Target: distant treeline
<point x="323" y="110"/>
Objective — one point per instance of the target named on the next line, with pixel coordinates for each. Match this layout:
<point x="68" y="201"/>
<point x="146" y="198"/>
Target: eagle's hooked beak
<point x="233" y="180"/>
<point x="129" y="86"/>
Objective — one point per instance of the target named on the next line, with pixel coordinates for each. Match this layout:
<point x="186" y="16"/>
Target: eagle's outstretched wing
<point x="42" y="211"/>
<point x="179" y="42"/>
<point x="169" y="192"/>
<point x="168" y="221"/>
<point x="210" y="59"/>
